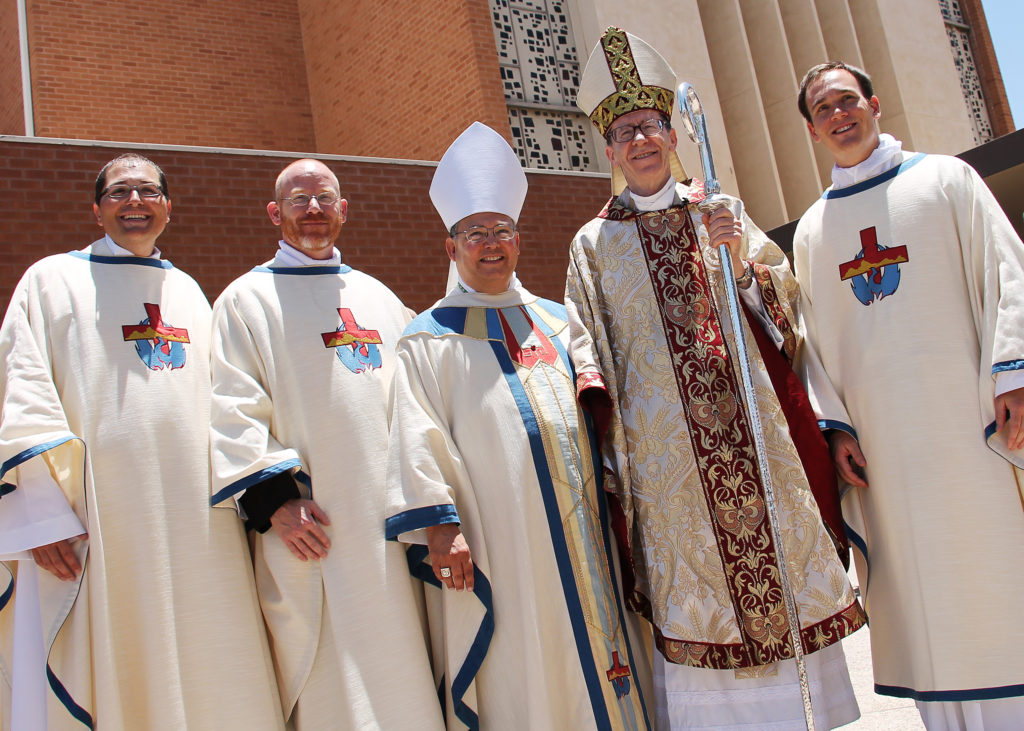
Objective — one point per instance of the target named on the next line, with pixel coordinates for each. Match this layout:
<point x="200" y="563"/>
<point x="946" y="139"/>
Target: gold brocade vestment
<point x="649" y="327"/>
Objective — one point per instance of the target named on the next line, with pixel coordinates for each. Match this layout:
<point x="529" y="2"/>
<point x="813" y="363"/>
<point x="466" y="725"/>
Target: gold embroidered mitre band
<point x="623" y="74"/>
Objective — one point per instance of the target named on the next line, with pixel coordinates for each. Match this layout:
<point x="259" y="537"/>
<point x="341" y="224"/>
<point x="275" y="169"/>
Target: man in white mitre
<point x="914" y="286"/>
<point x="303" y="352"/>
<point x="133" y="602"/>
<point x="491" y="479"/>
<point x="654" y="354"/>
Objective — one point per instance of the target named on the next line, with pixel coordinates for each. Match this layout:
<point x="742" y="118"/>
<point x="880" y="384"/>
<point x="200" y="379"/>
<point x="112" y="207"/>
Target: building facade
<point x="399" y="81"/>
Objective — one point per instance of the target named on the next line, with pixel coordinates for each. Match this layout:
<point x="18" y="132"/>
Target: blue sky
<point x="1006" y="26"/>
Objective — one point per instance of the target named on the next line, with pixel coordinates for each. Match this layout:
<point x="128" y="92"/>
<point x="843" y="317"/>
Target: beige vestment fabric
<point x="104" y="372"/>
<point x="486" y="432"/>
<point x="650" y="328"/>
<point x="915" y="285"/>
<point x="302" y="363"/>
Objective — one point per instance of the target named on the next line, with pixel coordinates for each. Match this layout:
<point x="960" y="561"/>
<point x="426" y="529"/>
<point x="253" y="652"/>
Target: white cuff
<point x="1009" y="381"/>
<point x="37" y="512"/>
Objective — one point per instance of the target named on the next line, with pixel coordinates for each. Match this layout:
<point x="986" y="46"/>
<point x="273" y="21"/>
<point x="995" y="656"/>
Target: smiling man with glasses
<point x="651" y="342"/>
<point x="303" y="351"/>
<point x="487" y="444"/>
<point x="104" y="371"/>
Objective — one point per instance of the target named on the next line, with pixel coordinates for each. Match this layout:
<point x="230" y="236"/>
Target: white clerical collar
<point x="514" y="283"/>
<point x="289" y="256"/>
<point x="658" y="201"/>
<point x="116" y="250"/>
<point x="884" y="157"/>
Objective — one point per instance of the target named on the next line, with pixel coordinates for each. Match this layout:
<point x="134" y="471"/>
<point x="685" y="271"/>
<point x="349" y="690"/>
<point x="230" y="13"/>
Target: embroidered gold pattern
<point x="721" y="437"/>
<point x="630" y="93"/>
<point x="773" y="306"/>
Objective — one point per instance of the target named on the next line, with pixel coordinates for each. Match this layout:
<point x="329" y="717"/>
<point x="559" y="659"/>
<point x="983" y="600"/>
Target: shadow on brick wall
<point x="219" y="226"/>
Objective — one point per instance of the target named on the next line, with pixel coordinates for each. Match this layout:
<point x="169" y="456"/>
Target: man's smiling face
<point x="842" y="118"/>
<point x="645" y="161"/>
<point x="487" y="266"/>
<point x="134" y="222"/>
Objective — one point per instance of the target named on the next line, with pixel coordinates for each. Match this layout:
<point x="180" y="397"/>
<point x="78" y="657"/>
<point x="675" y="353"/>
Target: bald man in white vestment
<point x="303" y="353"/>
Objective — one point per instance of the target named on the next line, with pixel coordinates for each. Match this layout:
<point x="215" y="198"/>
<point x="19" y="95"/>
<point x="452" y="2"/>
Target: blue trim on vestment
<point x="439" y="321"/>
<point x="9" y="591"/>
<point x="477" y="651"/>
<point x="606" y="532"/>
<point x="140" y="260"/>
<point x="553" y="308"/>
<point x="824" y="424"/>
<point x="80" y="714"/>
<point x="990" y="431"/>
<point x="972" y="694"/>
<point x="888" y="175"/>
<point x="304" y="271"/>
<point x="551" y="508"/>
<point x="249" y="480"/>
<point x="417" y="556"/>
<point x="417" y="518"/>
<point x="31" y="452"/>
<point x="1007" y="365"/>
<point x="857" y="541"/>
<point x="6" y="488"/>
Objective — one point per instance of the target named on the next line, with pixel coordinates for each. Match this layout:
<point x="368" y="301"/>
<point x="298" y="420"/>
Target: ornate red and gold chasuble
<point x="723" y="443"/>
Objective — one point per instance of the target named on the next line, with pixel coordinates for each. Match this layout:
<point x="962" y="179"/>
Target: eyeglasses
<point x="480" y="234"/>
<point x="120" y="192"/>
<point x="323" y="199"/>
<point x="627" y="132"/>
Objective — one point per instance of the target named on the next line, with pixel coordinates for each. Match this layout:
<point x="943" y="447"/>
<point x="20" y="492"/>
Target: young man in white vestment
<point x="914" y="286"/>
<point x="654" y="352"/>
<point x="491" y="478"/>
<point x="133" y="602"/>
<point x="303" y="352"/>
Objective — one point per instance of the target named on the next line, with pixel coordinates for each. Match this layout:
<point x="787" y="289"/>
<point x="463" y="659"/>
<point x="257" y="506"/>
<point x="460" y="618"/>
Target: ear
<point x="876" y="107"/>
<point x="517" y="242"/>
<point x="673" y="139"/>
<point x="814" y="135"/>
<point x="168" y="210"/>
<point x="610" y="154"/>
<point x="343" y="207"/>
<point x="449" y="246"/>
<point x="96" y="212"/>
<point x="274" y="211"/>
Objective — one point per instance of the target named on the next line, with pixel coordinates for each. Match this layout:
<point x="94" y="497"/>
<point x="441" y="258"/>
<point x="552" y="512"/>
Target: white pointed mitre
<point x="479" y="173"/>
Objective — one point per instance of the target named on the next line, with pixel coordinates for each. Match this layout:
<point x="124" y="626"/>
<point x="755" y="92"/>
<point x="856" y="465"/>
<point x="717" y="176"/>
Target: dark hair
<point x="863" y="81"/>
<point x="664" y="118"/>
<point x="135" y="159"/>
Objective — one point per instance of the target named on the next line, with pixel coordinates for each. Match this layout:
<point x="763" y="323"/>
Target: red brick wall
<point x="400" y="80"/>
<point x="12" y="116"/>
<point x="227" y="74"/>
<point x="219" y="226"/>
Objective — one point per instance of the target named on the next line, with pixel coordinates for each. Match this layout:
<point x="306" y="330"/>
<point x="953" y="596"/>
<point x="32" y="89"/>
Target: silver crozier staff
<point x="693" y="119"/>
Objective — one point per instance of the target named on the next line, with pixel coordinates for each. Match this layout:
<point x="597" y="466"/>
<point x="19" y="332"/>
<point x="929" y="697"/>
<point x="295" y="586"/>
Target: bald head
<point x="302" y="167"/>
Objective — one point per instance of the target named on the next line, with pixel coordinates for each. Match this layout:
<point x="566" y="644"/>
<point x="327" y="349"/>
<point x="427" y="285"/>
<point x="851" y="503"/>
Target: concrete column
<point x="773" y="67"/>
<point x="745" y="120"/>
<point x="922" y="103"/>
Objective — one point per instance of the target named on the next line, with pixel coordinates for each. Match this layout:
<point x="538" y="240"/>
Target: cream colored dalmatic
<point x="302" y="362"/>
<point x="104" y="364"/>
<point x="912" y="346"/>
<point x="486" y="432"/>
